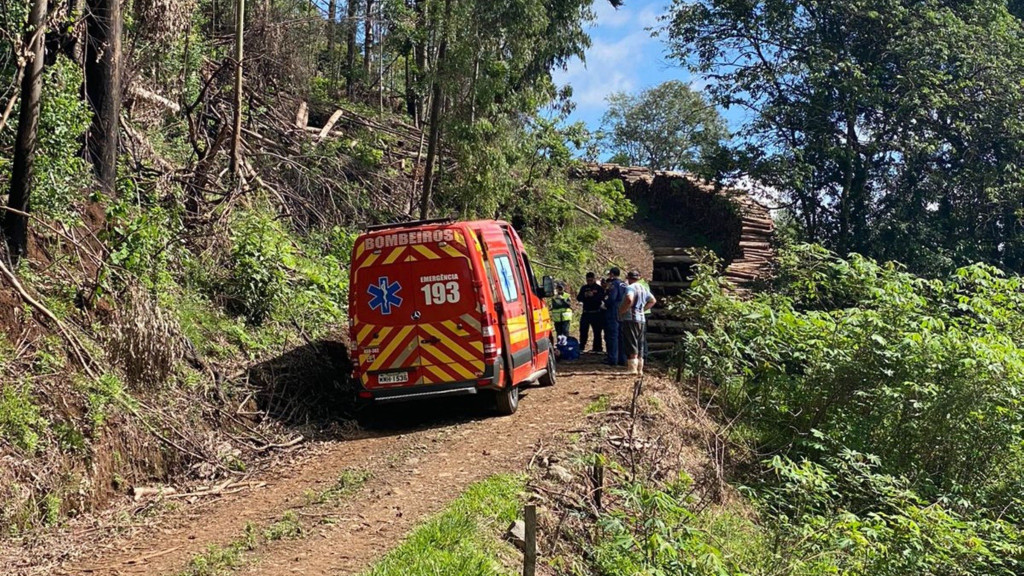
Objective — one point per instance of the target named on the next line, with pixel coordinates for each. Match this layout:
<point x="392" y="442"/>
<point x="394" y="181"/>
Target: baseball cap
<point x="633" y="275"/>
<point x="614" y="271"/>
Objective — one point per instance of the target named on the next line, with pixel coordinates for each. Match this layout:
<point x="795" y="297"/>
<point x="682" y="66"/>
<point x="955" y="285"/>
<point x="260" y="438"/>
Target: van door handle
<point x="429" y="340"/>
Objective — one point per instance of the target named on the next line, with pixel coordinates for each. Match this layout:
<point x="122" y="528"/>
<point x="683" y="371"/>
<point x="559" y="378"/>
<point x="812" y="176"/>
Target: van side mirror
<point x="548" y="287"/>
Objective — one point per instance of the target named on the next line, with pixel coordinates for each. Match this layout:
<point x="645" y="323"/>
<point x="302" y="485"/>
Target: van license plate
<point x="393" y="378"/>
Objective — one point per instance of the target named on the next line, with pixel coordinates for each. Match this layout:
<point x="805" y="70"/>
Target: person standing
<point x="591" y="297"/>
<point x="647" y="316"/>
<point x="636" y="301"/>
<point x="613" y="300"/>
<point x="561" y="311"/>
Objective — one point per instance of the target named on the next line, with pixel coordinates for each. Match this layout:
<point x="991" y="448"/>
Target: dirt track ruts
<point x="417" y="469"/>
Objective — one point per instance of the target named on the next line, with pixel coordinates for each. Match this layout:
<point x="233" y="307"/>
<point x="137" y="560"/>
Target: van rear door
<point x="420" y="312"/>
<point x="451" y="342"/>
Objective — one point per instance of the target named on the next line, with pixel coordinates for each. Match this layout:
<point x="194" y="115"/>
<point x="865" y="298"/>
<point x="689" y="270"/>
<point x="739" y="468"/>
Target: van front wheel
<point x="548" y="379"/>
<point x="507" y="400"/>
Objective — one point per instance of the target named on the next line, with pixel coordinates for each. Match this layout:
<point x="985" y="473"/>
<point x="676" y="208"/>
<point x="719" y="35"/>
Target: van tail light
<point x="492" y="344"/>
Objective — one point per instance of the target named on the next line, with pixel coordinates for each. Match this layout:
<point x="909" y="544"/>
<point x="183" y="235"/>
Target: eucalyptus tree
<point x="665" y="127"/>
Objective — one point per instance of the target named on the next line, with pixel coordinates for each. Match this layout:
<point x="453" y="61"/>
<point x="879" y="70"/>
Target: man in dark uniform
<point x="615" y="292"/>
<point x="591" y="296"/>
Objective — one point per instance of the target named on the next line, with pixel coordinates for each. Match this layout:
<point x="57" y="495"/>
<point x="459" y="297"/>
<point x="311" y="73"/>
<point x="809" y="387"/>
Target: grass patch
<point x="348" y="482"/>
<point x="220" y="560"/>
<point x="462" y="540"/>
<point x="601" y="404"/>
<point x="287" y="528"/>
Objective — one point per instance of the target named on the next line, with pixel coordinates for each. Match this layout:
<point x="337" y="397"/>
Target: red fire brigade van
<point x="444" y="308"/>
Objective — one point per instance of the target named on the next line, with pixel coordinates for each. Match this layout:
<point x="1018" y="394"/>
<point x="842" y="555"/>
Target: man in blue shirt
<point x="616" y="291"/>
<point x="633" y="323"/>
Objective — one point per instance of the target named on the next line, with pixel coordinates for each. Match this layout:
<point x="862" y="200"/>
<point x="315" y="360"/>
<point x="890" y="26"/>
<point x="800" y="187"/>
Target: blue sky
<point x="624" y="57"/>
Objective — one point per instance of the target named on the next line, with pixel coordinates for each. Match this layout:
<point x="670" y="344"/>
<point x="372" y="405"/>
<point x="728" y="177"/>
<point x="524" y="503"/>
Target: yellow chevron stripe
<point x="466" y="373"/>
<point x="440" y="375"/>
<point x="395" y="253"/>
<point x="427" y="252"/>
<point x="448" y="343"/>
<point x="379" y="362"/>
<point x="438" y="353"/>
<point x="364" y="333"/>
<point x="360" y="249"/>
<point x="370" y="259"/>
<point x="452" y="251"/>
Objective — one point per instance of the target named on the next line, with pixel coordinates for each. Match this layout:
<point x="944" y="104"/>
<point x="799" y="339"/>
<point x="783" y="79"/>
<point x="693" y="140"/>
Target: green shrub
<point x="844" y="517"/>
<point x="145" y="242"/>
<point x="59" y="168"/>
<point x="261" y="255"/>
<point x="925" y="374"/>
<point x="20" y="420"/>
<point x="101" y="395"/>
<point x="893" y="403"/>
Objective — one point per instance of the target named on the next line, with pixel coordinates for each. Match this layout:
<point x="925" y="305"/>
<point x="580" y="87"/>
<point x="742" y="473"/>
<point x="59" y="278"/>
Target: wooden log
<point x="673" y="259"/>
<point x="670" y="325"/>
<point x="667" y="251"/>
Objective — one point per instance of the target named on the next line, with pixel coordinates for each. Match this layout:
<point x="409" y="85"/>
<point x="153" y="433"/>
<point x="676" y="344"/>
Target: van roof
<point x="440" y="223"/>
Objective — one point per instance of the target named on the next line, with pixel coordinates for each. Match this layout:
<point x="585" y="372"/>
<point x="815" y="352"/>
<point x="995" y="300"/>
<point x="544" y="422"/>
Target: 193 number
<point x="441" y="293"/>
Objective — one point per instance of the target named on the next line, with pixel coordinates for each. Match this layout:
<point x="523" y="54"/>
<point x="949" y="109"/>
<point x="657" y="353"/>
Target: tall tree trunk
<point x="103" y="87"/>
<point x="367" y="41"/>
<point x="420" y="50"/>
<point x="15" y="226"/>
<point x="332" y="15"/>
<point x="436" y="100"/>
<point x="236" y="135"/>
<point x="350" y="48"/>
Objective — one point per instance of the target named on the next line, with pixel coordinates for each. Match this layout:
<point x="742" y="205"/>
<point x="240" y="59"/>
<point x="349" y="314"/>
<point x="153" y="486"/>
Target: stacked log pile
<point x="692" y="213"/>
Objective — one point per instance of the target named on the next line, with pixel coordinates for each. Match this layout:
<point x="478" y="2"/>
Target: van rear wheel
<point x="507" y="400"/>
<point x="549" y="378"/>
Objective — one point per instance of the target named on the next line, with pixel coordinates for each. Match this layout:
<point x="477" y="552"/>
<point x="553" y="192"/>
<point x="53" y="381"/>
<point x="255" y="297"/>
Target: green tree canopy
<point x="667" y="127"/>
<point x="892" y="127"/>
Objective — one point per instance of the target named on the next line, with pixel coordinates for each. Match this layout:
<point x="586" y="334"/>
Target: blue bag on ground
<point x="568" y="348"/>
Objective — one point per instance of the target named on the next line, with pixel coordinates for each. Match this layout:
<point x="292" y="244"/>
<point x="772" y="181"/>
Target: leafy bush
<point x="653" y="531"/>
<point x="898" y="397"/>
<point x="925" y="374"/>
<point x="59" y="168"/>
<point x="261" y="254"/>
<point x="20" y="420"/>
<point x="145" y="242"/>
<point x="844" y="517"/>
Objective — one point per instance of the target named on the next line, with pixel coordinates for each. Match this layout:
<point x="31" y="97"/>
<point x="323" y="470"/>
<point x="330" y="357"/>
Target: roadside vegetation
<point x="873" y="419"/>
<point x="464" y="539"/>
<point x="169" y="316"/>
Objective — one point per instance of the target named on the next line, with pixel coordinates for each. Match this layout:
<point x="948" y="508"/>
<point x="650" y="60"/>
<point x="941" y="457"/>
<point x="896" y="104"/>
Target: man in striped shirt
<point x="637" y="300"/>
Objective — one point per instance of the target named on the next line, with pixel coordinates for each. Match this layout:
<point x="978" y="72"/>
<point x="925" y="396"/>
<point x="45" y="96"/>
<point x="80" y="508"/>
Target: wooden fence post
<point x="530" y="549"/>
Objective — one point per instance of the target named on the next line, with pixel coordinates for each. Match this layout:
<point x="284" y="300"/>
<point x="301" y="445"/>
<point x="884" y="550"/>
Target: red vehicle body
<point x="441" y="308"/>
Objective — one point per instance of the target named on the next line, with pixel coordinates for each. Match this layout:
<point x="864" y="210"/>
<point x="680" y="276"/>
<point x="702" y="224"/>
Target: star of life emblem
<point x="384" y="295"/>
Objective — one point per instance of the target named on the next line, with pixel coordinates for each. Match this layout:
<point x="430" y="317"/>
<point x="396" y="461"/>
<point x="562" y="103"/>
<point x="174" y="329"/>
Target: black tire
<point x="551" y="377"/>
<point x="507" y="400"/>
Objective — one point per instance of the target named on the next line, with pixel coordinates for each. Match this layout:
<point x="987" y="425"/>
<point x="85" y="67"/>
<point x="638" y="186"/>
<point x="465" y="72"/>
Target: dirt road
<point x="418" y="457"/>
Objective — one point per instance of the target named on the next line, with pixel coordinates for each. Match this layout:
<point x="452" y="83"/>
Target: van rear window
<point x="506" y="278"/>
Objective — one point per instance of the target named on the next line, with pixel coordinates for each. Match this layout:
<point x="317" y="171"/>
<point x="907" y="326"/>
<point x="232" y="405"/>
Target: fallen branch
<point x="76" y="347"/>
<point x="330" y="124"/>
<point x="287" y="444"/>
<point x="153" y="98"/>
